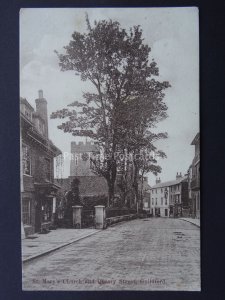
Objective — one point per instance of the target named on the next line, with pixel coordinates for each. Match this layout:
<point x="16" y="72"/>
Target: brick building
<point x="38" y="190"/>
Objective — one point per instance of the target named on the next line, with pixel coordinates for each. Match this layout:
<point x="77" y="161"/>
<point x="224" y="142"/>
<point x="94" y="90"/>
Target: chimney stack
<point x="158" y="180"/>
<point x="41" y="109"/>
<point x="178" y="176"/>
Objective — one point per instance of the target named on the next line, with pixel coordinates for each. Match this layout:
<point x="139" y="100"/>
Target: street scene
<point x="147" y="254"/>
<point x="110" y="149"/>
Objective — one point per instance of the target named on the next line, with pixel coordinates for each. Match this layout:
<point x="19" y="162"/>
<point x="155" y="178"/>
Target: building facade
<point x="38" y="191"/>
<point x="170" y="199"/>
<point x="160" y="199"/>
<point x="194" y="179"/>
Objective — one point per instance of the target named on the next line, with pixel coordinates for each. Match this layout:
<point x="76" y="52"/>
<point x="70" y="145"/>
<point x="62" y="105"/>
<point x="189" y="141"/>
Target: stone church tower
<point x="80" y="164"/>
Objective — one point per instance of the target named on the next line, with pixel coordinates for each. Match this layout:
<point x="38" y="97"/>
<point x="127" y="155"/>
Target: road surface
<point x="143" y="254"/>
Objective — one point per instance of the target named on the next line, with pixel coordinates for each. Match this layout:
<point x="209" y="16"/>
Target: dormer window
<point x="26" y="109"/>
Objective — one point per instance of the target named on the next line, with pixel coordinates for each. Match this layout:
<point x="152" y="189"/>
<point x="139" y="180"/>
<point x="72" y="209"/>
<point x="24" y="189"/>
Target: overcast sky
<point x="172" y="34"/>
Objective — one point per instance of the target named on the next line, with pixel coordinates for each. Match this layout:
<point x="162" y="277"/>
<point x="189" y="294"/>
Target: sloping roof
<point x="196" y="139"/>
<point x="24" y="101"/>
<point x="169" y="183"/>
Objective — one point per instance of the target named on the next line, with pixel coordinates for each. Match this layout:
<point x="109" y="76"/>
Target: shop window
<point x="26" y="211"/>
<point x="26" y="160"/>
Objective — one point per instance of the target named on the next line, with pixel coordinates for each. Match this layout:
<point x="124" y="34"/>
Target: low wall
<point x="117" y="219"/>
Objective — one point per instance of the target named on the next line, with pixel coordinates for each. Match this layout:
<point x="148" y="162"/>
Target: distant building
<point x="146" y="194"/>
<point x="38" y="190"/>
<point x="194" y="179"/>
<point x="169" y="198"/>
<point x="160" y="199"/>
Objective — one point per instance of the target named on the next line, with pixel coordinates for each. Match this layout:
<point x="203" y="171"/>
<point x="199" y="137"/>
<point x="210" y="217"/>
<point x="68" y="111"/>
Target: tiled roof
<point x="169" y="183"/>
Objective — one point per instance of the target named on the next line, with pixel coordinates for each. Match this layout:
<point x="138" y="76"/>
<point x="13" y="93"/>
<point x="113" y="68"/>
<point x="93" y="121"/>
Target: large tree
<point x="116" y="62"/>
<point x="142" y="115"/>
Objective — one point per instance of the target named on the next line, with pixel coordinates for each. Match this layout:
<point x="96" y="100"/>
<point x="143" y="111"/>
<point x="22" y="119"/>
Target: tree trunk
<point x="110" y="193"/>
<point x="135" y="183"/>
<point x="111" y="183"/>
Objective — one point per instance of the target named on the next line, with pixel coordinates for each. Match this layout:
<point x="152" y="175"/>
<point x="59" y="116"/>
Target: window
<point x="152" y="191"/>
<point x="155" y="201"/>
<point x="26" y="211"/>
<point x="152" y="201"/>
<point x="156" y="191"/>
<point x="48" y="169"/>
<point x="166" y="201"/>
<point x="161" y="201"/>
<point x="76" y="160"/>
<point x="26" y="160"/>
<point x="161" y="190"/>
<point x="166" y="212"/>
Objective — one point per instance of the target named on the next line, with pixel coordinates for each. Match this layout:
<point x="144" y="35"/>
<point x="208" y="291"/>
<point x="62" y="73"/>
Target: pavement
<point x="195" y="222"/>
<point x="142" y="254"/>
<point x="39" y="245"/>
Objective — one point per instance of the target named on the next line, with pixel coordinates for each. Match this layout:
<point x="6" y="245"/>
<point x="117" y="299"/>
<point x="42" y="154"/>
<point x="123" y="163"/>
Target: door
<point x="37" y="214"/>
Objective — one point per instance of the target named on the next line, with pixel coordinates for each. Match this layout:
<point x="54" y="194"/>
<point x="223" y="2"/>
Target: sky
<point x="172" y="34"/>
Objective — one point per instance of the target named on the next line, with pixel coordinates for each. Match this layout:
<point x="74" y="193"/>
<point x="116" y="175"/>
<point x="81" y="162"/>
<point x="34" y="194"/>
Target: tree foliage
<point x="128" y="100"/>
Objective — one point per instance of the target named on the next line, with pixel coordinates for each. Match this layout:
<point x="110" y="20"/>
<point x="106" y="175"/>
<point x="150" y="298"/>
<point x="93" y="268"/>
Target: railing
<point x="117" y="219"/>
<point x="115" y="212"/>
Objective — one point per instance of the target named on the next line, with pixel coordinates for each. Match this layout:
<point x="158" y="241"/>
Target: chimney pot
<point x="40" y="94"/>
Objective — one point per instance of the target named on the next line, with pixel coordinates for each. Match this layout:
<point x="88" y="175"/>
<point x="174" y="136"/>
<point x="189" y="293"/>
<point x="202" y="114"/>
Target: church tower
<point x="80" y="164"/>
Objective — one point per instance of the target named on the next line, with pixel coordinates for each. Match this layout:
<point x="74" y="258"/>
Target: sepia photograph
<point x="110" y="149"/>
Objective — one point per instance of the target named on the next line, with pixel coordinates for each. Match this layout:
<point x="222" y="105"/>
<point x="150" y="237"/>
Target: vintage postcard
<point x="110" y="149"/>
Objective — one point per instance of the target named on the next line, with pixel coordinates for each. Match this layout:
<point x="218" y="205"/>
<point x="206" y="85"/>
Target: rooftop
<point x="169" y="183"/>
<point x="196" y="139"/>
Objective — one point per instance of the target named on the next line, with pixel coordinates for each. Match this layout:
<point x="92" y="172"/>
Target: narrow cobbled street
<point x="143" y="254"/>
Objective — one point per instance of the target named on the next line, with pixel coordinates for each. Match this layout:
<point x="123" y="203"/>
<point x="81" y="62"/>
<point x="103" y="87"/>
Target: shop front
<point x="45" y="206"/>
